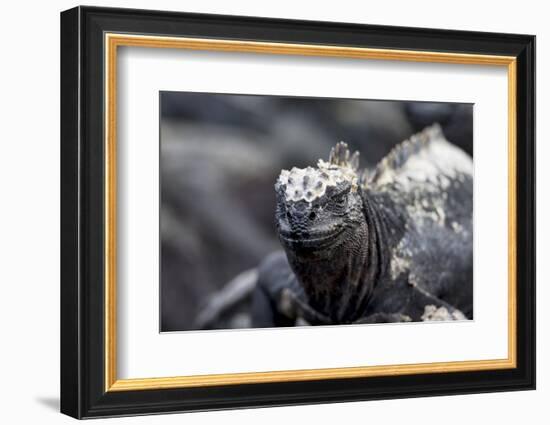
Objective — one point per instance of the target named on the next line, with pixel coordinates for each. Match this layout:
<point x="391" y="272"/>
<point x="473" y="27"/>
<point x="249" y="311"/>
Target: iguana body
<point x="390" y="245"/>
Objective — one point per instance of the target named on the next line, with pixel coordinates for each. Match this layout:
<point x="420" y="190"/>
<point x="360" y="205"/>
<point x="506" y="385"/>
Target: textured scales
<point x="393" y="244"/>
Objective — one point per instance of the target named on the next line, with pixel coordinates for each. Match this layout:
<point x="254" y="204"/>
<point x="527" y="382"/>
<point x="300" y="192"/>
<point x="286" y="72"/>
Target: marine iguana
<point x="393" y="244"/>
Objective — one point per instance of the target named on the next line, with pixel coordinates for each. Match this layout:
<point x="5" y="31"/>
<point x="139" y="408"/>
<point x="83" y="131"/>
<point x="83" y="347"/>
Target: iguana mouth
<point x="315" y="240"/>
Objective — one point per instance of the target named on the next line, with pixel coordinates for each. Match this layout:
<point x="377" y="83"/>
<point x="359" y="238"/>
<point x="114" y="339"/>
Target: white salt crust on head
<point x="311" y="183"/>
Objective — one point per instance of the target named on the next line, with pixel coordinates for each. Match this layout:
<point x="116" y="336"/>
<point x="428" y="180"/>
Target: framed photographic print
<point x="261" y="212"/>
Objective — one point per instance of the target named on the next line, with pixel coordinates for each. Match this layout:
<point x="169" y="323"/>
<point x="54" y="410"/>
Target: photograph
<point x="279" y="211"/>
<point x="284" y="210"/>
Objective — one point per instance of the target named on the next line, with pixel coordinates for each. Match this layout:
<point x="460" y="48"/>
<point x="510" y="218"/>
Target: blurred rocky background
<point x="220" y="157"/>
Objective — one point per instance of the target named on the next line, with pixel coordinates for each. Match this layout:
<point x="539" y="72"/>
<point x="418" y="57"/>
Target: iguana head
<point x="318" y="208"/>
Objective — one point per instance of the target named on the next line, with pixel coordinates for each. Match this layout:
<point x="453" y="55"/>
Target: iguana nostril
<point x="312" y="215"/>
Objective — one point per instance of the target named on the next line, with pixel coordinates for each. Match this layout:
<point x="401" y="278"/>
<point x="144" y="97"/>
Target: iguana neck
<point x="339" y="286"/>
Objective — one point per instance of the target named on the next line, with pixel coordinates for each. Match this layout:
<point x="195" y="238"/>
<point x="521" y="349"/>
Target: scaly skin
<point x="391" y="245"/>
